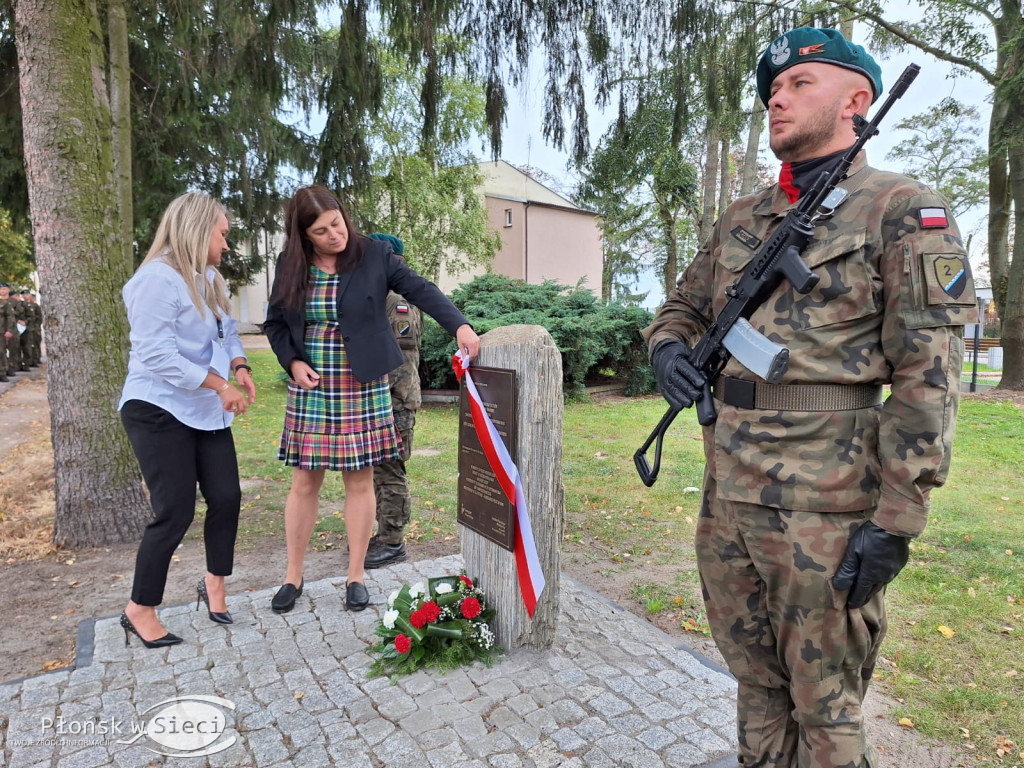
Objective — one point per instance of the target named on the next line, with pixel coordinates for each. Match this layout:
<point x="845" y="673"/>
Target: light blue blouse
<point x="173" y="348"/>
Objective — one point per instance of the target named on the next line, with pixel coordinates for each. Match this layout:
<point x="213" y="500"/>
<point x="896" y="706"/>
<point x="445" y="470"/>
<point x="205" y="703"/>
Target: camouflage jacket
<point x="887" y="310"/>
<point x="20" y="310"/>
<point x="34" y="317"/>
<point x="8" y="318"/>
<point x="407" y="323"/>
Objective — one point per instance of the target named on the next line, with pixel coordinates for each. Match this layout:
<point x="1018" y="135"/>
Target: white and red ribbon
<point x="531" y="576"/>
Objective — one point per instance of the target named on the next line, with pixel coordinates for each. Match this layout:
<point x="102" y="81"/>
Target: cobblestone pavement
<point x="612" y="691"/>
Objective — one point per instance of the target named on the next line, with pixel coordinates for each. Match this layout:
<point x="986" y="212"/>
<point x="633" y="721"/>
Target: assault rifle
<point x="731" y="334"/>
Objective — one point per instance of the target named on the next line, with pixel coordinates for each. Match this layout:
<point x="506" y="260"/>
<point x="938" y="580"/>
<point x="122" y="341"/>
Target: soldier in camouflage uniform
<point x="15" y="360"/>
<point x="8" y="332"/>
<point x="814" y="487"/>
<point x="394" y="504"/>
<point x="31" y="340"/>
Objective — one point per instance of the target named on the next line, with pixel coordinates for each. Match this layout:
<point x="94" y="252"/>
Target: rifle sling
<point x="796" y="397"/>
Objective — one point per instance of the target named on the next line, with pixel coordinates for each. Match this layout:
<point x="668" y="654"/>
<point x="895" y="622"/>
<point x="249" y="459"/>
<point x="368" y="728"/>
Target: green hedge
<point x="592" y="336"/>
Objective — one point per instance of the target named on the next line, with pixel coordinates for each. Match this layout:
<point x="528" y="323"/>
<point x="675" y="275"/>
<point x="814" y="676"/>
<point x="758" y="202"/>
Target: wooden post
<point x="530" y="351"/>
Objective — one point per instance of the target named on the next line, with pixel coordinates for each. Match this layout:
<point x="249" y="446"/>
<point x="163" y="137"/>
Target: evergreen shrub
<point x="592" y="336"/>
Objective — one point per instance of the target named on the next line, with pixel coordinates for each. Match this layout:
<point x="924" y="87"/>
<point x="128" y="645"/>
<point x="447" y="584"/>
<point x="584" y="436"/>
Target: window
<point x="508" y="217"/>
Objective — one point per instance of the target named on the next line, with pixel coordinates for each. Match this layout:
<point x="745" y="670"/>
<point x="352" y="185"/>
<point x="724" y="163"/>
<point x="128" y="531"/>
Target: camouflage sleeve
<point x="686" y="313"/>
<point x="929" y="296"/>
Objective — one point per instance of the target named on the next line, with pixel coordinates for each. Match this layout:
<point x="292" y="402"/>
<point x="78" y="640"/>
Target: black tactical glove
<point x="680" y="383"/>
<point x="873" y="558"/>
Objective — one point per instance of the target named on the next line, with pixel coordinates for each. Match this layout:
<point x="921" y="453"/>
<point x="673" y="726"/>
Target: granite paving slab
<point x="291" y="690"/>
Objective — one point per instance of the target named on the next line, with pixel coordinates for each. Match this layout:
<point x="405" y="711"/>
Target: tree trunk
<point x="1012" y="331"/>
<point x="1012" y="308"/>
<point x="121" y="113"/>
<point x="707" y="219"/>
<point x="998" y="203"/>
<point x="75" y="220"/>
<point x="725" y="180"/>
<point x="670" y="274"/>
<point x="753" y="143"/>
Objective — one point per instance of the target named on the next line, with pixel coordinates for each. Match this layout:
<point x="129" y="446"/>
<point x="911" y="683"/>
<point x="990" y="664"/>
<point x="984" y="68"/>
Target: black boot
<point x="381" y="553"/>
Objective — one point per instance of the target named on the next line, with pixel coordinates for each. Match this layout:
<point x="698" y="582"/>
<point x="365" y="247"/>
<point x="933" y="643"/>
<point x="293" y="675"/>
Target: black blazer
<point x="362" y="317"/>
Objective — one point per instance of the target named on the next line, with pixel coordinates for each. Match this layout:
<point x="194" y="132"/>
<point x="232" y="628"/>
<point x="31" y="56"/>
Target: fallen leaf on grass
<point x="946" y="632"/>
<point x="906" y="722"/>
<point x="1010" y="673"/>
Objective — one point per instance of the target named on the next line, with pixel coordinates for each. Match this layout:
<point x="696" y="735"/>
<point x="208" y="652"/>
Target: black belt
<point x="796" y="397"/>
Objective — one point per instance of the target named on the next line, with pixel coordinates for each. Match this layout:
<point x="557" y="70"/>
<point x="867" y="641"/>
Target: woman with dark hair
<point x="328" y="326"/>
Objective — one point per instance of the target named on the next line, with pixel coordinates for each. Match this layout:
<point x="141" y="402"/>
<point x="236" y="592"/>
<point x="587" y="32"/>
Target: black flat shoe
<point x="285" y="598"/>
<point x="356" y="596"/>
<point x="202" y="594"/>
<point x="160" y="642"/>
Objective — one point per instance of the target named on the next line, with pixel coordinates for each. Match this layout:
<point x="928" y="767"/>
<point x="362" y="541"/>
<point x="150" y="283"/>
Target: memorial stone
<point x="530" y="351"/>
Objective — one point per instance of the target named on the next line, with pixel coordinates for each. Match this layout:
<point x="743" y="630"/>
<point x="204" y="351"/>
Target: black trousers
<point x="173" y="457"/>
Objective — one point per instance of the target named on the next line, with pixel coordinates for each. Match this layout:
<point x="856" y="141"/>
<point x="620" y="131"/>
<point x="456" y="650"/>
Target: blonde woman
<point x="178" y="403"/>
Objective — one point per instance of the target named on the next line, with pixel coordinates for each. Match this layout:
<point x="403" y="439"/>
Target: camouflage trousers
<point x="13" y="361"/>
<point x="30" y="353"/>
<point x="803" y="660"/>
<point x="394" y="504"/>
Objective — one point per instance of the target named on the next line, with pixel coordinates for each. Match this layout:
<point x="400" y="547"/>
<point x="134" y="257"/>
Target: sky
<point x="523" y="140"/>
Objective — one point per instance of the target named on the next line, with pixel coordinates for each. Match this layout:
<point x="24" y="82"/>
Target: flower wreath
<point x="444" y="624"/>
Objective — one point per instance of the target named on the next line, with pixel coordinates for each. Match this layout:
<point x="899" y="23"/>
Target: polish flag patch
<point x="933" y="218"/>
<point x="402" y="309"/>
<point x="810" y="50"/>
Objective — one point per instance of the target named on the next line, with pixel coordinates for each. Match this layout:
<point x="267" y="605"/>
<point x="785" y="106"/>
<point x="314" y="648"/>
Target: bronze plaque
<point x="483" y="506"/>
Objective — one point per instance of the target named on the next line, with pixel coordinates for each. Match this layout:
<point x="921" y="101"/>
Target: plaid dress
<point x="341" y="424"/>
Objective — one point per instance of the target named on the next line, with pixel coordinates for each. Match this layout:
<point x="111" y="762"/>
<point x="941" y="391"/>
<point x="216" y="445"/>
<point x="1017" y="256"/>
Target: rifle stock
<point x="777" y="260"/>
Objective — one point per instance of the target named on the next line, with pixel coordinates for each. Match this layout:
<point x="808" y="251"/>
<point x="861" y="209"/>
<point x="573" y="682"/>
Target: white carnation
<point x="417" y="589"/>
<point x="393" y="596"/>
<point x="443" y="589"/>
<point x="389" y="619"/>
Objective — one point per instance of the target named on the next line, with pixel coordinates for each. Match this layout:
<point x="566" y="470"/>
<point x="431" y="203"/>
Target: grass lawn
<point x="956" y="612"/>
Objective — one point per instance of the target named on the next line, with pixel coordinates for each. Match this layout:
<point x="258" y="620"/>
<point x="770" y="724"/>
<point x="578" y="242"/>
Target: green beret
<point x="395" y="242"/>
<point x="808" y="44"/>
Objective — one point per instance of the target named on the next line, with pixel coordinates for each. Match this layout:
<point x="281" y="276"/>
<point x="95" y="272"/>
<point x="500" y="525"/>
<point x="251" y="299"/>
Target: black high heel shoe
<point x="202" y="594"/>
<point x="160" y="642"/>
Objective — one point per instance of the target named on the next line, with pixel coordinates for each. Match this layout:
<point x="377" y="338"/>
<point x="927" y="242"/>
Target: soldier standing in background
<point x="390" y="483"/>
<point x="31" y="340"/>
<point x="813" y="487"/>
<point x="14" y="343"/>
<point x="8" y="332"/>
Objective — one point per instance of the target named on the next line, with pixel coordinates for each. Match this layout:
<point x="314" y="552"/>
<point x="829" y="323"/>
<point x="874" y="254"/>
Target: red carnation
<point x="431" y="611"/>
<point x="418" y="619"/>
<point x="403" y="644"/>
<point x="470" y="607"/>
<point x="467" y="581"/>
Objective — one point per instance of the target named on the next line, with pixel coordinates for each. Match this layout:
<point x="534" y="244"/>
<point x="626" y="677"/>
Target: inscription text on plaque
<point x="483" y="506"/>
